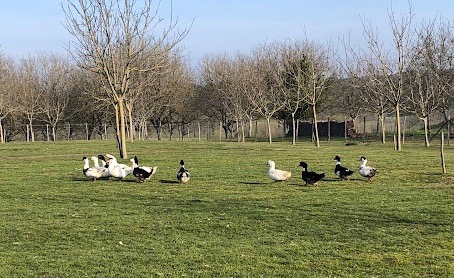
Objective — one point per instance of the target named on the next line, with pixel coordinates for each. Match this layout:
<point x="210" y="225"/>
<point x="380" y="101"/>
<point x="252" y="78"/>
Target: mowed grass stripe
<point x="230" y="220"/>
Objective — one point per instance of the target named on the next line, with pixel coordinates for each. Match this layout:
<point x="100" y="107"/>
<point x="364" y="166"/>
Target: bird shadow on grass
<point x="169" y="182"/>
<point x="252" y="182"/>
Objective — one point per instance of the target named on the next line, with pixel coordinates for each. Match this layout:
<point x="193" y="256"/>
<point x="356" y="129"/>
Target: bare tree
<point x="238" y="95"/>
<point x="29" y="94"/>
<point x="319" y="75"/>
<point x="54" y="83"/>
<point x="217" y="81"/>
<point x="264" y="92"/>
<point x="113" y="39"/>
<point x="7" y="90"/>
<point x="365" y="79"/>
<point x="428" y="83"/>
<point x="393" y="65"/>
<point x="293" y="80"/>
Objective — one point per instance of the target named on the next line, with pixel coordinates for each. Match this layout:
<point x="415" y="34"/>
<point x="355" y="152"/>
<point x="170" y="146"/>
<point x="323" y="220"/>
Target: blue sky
<point x="31" y="26"/>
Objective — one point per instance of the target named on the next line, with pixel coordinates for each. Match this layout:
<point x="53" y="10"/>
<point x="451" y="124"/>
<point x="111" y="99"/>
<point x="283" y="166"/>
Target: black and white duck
<point x="366" y="171"/>
<point x="91" y="172"/>
<point x="142" y="173"/>
<point x="183" y="174"/>
<point x="275" y="174"/>
<point x="310" y="177"/>
<point x="103" y="161"/>
<point x="340" y="171"/>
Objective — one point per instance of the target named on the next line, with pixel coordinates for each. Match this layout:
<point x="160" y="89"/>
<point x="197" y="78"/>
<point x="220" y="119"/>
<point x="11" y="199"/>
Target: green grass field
<point x="230" y="220"/>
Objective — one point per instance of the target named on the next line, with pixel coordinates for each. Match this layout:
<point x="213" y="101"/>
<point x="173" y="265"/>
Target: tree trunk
<point x="293" y="129"/>
<point x="317" y="140"/>
<point x="250" y="127"/>
<point x="398" y="131"/>
<point x="243" y="135"/>
<point x="238" y="135"/>
<point x="131" y="123"/>
<point x="269" y="130"/>
<point x="54" y="132"/>
<point x="2" y="140"/>
<point x="32" y="133"/>
<point x="381" y="116"/>
<point x="426" y="131"/>
<point x="122" y="133"/>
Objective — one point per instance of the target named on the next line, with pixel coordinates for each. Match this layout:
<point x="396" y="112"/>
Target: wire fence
<point x="210" y="131"/>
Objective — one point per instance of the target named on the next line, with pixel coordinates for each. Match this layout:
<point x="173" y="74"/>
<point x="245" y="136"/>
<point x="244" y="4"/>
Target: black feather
<point x="310" y="177"/>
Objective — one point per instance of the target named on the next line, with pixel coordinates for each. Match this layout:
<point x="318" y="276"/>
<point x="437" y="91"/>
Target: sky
<point x="28" y="27"/>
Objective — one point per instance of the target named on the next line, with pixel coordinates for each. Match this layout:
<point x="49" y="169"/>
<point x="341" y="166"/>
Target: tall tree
<point x="217" y="81"/>
<point x="319" y="74"/>
<point x="294" y="80"/>
<point x="29" y="93"/>
<point x="393" y="64"/>
<point x="113" y="38"/>
<point x="427" y="81"/>
<point x="7" y="90"/>
<point x="263" y="89"/>
<point x="54" y="82"/>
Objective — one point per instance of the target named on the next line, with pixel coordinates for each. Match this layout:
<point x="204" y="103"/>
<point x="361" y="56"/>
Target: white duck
<point x="91" y="172"/>
<point x="366" y="171"/>
<point x="183" y="174"/>
<point x="277" y="175"/>
<point x="116" y="170"/>
<point x="105" y="170"/>
<point x="142" y="173"/>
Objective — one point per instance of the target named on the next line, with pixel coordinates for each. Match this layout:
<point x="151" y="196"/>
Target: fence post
<point x="199" y="130"/>
<point x="28" y="133"/>
<point x="69" y="131"/>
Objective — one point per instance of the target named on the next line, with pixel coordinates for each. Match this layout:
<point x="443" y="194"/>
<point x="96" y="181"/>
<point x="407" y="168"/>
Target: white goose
<point x="105" y="171"/>
<point x="277" y="175"/>
<point x="142" y="173"/>
<point x="366" y="171"/>
<point x="116" y="170"/>
<point x="91" y="172"/>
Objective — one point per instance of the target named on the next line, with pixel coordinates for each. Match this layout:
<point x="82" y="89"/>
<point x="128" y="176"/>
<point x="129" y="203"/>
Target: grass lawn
<point x="230" y="220"/>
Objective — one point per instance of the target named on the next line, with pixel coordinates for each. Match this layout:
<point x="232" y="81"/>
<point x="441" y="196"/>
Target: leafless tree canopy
<point x="127" y="71"/>
<point x="118" y="39"/>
